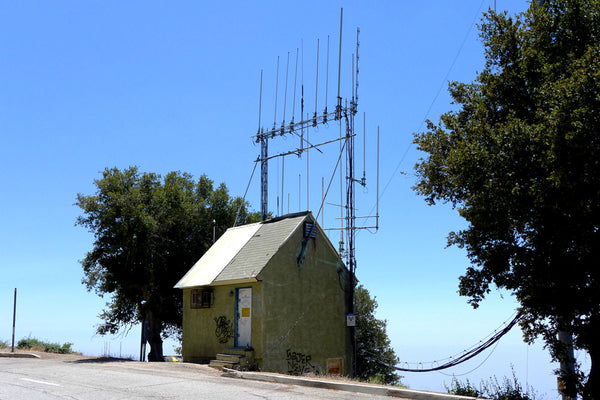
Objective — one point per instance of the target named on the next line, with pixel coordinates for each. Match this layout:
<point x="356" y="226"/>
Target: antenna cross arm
<point x="299" y="152"/>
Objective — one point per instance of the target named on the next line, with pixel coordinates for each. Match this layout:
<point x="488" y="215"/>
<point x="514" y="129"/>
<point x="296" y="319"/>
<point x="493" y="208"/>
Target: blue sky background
<point x="96" y="84"/>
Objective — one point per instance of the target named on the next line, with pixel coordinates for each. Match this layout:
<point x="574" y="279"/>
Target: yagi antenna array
<point x="344" y="113"/>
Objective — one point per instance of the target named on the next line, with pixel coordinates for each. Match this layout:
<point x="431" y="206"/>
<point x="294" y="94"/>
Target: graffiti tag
<point x="299" y="363"/>
<point x="224" y="329"/>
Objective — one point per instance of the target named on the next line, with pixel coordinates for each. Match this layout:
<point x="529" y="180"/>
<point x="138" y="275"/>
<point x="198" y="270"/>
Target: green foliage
<point x="519" y="158"/>
<point x="463" y="388"/>
<point x="36" y="344"/>
<point x="375" y="358"/>
<point x="30" y="343"/>
<point x="148" y="232"/>
<point x="508" y="389"/>
<point x="3" y="344"/>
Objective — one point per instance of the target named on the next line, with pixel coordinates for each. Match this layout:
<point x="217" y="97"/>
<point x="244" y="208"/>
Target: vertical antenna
<point x="264" y="163"/>
<point x="276" y="91"/>
<point x="341" y="244"/>
<point x="364" y="178"/>
<point x="302" y="93"/>
<point x="299" y="192"/>
<point x="295" y="79"/>
<point x="307" y="169"/>
<point x="277" y="208"/>
<point x="338" y="116"/>
<point x="260" y="102"/>
<point x="322" y="200"/>
<point x="316" y="87"/>
<point x="352" y="81"/>
<point x="326" y="83"/>
<point x="338" y="108"/>
<point x="285" y="97"/>
<point x="282" y="181"/>
<point x="377" y="204"/>
<point x="356" y="72"/>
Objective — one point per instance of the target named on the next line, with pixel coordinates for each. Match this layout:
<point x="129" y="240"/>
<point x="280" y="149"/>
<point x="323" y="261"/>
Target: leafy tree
<point x="375" y="357"/>
<point x="148" y="232"/>
<point x="519" y="159"/>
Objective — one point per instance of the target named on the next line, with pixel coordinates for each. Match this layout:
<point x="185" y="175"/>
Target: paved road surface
<point x="93" y="379"/>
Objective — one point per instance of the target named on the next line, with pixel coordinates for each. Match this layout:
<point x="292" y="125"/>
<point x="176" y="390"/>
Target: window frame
<point x="202" y="298"/>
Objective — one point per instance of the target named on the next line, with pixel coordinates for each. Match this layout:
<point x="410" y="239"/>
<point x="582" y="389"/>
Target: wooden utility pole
<point x="14" y="320"/>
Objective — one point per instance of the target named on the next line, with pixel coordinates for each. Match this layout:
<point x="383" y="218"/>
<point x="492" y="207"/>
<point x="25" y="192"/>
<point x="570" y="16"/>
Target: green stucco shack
<point x="271" y="295"/>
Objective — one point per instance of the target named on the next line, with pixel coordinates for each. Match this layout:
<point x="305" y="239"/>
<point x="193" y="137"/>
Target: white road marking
<point x="42" y="382"/>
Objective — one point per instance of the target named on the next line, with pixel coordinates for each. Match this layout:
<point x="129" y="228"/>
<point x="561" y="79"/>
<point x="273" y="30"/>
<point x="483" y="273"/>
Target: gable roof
<point x="242" y="252"/>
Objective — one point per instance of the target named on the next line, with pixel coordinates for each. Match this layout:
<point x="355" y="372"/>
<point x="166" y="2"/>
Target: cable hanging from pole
<point x="454" y="361"/>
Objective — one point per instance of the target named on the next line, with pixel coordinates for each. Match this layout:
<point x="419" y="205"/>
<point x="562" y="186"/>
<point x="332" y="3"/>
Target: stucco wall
<point x="305" y="309"/>
<point x="209" y="331"/>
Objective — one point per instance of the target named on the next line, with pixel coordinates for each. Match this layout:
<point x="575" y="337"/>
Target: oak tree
<point x="519" y="158"/>
<point x="375" y="357"/>
<point x="148" y="231"/>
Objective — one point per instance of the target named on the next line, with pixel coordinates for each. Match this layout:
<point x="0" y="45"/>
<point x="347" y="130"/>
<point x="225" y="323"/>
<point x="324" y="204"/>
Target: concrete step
<point x="230" y="357"/>
<point x="220" y="364"/>
<point x="240" y="351"/>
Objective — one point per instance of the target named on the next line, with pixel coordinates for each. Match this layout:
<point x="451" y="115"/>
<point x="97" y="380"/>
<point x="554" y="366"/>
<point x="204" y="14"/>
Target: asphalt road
<point x="93" y="379"/>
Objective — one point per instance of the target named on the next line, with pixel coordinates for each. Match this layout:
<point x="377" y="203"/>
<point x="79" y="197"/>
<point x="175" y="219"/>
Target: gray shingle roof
<point x="255" y="250"/>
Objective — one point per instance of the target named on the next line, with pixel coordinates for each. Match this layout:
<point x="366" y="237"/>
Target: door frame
<point x="237" y="316"/>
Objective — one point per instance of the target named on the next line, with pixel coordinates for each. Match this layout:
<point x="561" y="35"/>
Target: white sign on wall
<point x="351" y="320"/>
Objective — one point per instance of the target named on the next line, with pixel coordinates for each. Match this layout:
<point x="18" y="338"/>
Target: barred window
<point x="202" y="298"/>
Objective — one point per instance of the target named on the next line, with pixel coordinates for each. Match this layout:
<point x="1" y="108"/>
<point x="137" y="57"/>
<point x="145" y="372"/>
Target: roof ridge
<point x="286" y="216"/>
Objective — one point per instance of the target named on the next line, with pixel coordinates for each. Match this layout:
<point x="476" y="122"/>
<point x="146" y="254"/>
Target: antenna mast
<point x="344" y="112"/>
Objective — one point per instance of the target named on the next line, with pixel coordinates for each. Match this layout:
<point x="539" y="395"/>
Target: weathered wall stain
<point x="299" y="363"/>
<point x="224" y="329"/>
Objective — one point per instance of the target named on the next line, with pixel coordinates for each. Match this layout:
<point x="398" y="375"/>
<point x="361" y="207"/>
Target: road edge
<point x="377" y="390"/>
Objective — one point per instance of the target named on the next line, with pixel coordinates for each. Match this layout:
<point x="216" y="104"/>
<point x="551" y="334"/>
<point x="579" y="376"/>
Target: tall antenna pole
<point x="377" y="199"/>
<point x="326" y="84"/>
<point x="294" y="99"/>
<point x="299" y="192"/>
<point x="282" y="181"/>
<point x="356" y="71"/>
<point x="287" y="67"/>
<point x="322" y="200"/>
<point x="276" y="92"/>
<point x="345" y="112"/>
<point x="307" y="169"/>
<point x="338" y="108"/>
<point x="302" y="94"/>
<point x="264" y="162"/>
<point x="364" y="177"/>
<point x="316" y="87"/>
<point x="260" y="103"/>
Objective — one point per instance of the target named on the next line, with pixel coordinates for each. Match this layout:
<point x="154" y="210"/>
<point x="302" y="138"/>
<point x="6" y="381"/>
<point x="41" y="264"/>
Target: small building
<point x="271" y="295"/>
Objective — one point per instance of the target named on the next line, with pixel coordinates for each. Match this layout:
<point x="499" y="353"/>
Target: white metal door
<point x="244" y="317"/>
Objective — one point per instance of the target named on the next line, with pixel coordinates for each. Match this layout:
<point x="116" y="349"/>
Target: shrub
<point x="508" y="389"/>
<point x="36" y="344"/>
<point x="58" y="348"/>
<point x="3" y="344"/>
<point x="463" y="388"/>
<point x="30" y="343"/>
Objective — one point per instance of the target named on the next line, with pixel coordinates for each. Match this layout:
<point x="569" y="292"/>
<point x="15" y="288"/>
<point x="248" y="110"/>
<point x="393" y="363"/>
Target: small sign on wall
<point x="335" y="366"/>
<point x="351" y="320"/>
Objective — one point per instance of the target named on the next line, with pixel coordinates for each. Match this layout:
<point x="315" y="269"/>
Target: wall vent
<point x="310" y="230"/>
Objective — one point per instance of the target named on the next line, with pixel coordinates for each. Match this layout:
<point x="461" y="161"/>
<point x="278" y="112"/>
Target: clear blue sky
<point x="95" y="84"/>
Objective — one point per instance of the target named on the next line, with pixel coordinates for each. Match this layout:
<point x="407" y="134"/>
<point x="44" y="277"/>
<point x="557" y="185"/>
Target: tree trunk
<point x="591" y="390"/>
<point x="567" y="363"/>
<point x="153" y="331"/>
